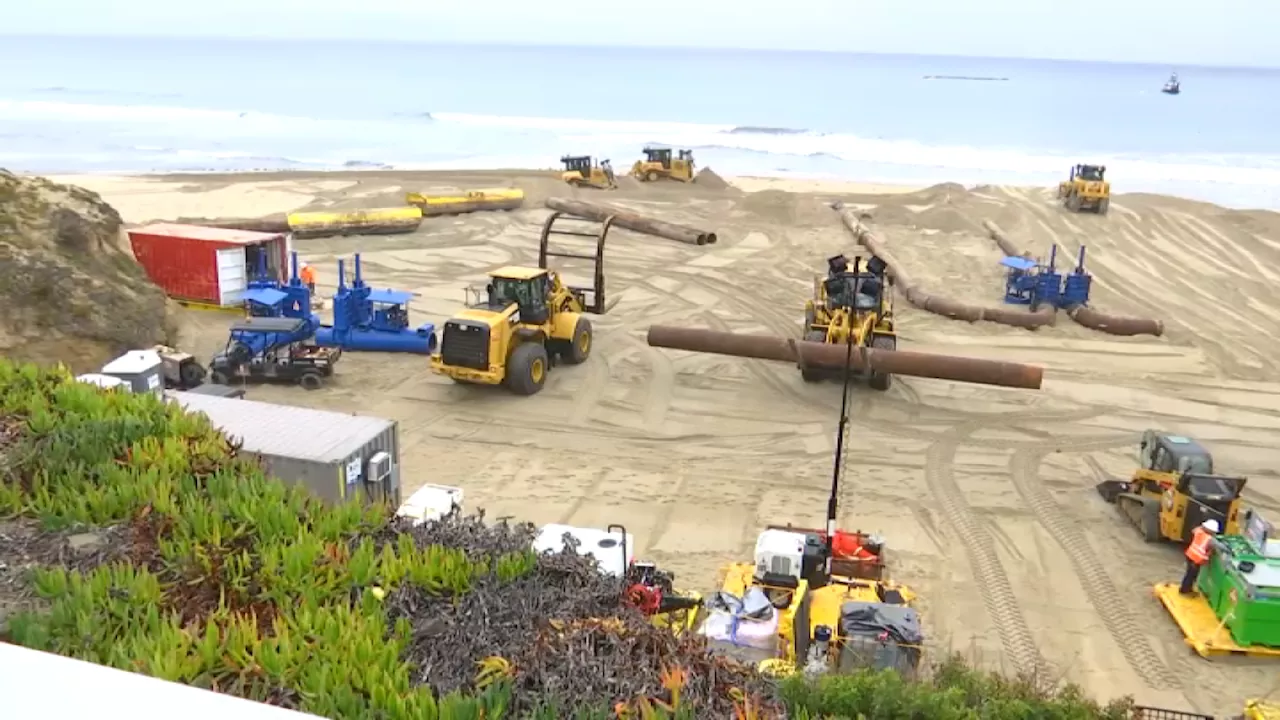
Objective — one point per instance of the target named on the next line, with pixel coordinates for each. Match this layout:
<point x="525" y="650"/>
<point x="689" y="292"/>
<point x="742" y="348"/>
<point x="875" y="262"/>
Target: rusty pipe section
<point x="277" y="223"/>
<point x="1123" y="325"/>
<point x="632" y="221"/>
<point x="832" y="357"/>
<point x="1006" y="245"/>
<point x="1114" y="324"/>
<point x="937" y="304"/>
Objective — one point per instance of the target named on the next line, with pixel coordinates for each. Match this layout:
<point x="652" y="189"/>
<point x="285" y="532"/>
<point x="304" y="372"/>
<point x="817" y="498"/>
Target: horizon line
<point x="613" y="46"/>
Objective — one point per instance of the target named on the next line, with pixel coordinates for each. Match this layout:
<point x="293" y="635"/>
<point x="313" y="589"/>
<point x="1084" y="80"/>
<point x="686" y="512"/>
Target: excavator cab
<point x="1091" y="173"/>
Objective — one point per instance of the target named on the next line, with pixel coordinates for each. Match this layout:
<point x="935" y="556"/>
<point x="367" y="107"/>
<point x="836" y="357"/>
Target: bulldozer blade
<point x="1111" y="489"/>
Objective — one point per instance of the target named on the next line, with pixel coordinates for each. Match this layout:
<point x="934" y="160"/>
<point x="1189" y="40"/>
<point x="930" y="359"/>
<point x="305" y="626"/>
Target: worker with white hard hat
<point x="308" y="275"/>
<point x="1198" y="552"/>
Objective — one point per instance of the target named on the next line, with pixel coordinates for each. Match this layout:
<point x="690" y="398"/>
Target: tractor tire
<point x="527" y="368"/>
<point x="878" y="380"/>
<point x="814" y="375"/>
<point x="651" y="176"/>
<point x="311" y="380"/>
<point x="1151" y="521"/>
<point x="1073" y="203"/>
<point x="190" y="374"/>
<point x="578" y="349"/>
<point x="217" y="377"/>
<point x="1104" y="206"/>
<point x="239" y="353"/>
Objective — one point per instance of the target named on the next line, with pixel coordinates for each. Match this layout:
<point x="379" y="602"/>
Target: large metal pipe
<point x="1114" y="324"/>
<point x="1091" y="318"/>
<point x="269" y="224"/>
<point x="1006" y="245"/>
<point x="937" y="304"/>
<point x="832" y="357"/>
<point x="632" y="221"/>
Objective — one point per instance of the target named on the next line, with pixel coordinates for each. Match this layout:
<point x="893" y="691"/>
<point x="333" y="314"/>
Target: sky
<point x="1224" y="32"/>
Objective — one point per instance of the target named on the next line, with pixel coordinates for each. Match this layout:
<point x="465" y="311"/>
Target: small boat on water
<point x="1173" y="87"/>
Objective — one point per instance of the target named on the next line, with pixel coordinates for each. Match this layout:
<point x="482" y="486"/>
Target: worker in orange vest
<point x="1198" y="552"/>
<point x="308" y="275"/>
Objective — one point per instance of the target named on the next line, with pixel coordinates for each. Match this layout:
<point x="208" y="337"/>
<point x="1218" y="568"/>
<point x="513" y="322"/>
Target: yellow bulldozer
<point x="1086" y="188"/>
<point x="1175" y="489"/>
<point x="852" y="305"/>
<point x="525" y="322"/>
<point x="582" y="171"/>
<point x="658" y="164"/>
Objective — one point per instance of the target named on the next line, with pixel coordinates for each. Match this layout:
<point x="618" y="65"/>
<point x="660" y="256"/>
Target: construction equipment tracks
<point x="1001" y="603"/>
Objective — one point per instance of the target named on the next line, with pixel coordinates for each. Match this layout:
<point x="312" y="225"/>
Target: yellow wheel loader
<point x="658" y="164"/>
<point x="1175" y="490"/>
<point x="1086" y="188"/>
<point x="527" y="321"/>
<point x="852" y="305"/>
<point x="582" y="171"/>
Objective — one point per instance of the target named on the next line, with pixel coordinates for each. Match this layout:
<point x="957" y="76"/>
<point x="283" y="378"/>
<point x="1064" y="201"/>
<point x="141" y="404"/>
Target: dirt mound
<point x="777" y="205"/>
<point x="70" y="287"/>
<point x="708" y="178"/>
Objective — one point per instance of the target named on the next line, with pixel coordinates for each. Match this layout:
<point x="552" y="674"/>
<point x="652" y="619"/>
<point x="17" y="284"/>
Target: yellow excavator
<point x="1086" y="188"/>
<point x="1175" y="489"/>
<point x="852" y="303"/>
<point x="659" y="164"/>
<point x="527" y="321"/>
<point x="819" y="600"/>
<point x="582" y="171"/>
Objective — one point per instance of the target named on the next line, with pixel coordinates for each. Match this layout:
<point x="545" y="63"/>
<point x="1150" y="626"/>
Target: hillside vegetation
<point x="136" y="536"/>
<point x="69" y="285"/>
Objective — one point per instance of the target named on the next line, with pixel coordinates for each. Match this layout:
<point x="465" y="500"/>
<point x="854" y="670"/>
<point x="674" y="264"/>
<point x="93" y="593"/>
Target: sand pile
<point x="776" y="205"/>
<point x="708" y="178"/>
<point x="70" y="287"/>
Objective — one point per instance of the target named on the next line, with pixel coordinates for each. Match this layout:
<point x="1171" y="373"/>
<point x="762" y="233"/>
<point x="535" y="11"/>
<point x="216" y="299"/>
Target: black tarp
<point x="879" y="635"/>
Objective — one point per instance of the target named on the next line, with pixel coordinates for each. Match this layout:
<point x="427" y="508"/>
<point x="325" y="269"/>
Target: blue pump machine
<point x="1030" y="283"/>
<point x="373" y="320"/>
<point x="268" y="297"/>
<point x="1078" y="284"/>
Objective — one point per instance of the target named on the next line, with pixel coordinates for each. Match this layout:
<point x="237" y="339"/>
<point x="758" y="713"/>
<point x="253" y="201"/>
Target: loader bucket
<point x="1110" y="489"/>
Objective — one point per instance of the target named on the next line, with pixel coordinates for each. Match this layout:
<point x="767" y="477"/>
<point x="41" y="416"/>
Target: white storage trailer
<point x="336" y="455"/>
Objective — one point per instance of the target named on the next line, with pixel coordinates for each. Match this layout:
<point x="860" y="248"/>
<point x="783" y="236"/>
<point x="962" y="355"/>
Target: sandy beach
<point x="985" y="495"/>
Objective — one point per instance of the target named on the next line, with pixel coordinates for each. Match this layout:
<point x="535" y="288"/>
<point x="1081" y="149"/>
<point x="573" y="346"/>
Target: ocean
<point x="130" y="105"/>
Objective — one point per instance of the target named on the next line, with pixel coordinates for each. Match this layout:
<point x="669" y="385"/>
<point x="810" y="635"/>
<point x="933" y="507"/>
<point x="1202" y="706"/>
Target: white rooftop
<point x="133" y="362"/>
<point x="285" y="430"/>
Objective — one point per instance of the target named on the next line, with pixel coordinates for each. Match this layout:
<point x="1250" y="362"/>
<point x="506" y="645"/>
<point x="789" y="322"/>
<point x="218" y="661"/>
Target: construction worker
<point x="1198" y="552"/>
<point x="308" y="275"/>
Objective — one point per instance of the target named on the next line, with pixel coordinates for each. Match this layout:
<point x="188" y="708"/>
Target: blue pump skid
<point x="1029" y="283"/>
<point x="365" y="319"/>
<point x="268" y="297"/>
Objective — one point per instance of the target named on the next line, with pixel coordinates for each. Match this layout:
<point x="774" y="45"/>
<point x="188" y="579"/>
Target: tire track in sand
<point x="1024" y="469"/>
<point x="1003" y="609"/>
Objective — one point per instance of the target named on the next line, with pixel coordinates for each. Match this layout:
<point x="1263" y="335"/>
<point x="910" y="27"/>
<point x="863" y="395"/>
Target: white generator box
<point x="142" y="369"/>
<point x="606" y="547"/>
<point x="780" y="552"/>
<point x="106" y="382"/>
<point x="431" y="502"/>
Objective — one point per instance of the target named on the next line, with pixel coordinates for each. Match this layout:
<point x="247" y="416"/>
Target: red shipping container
<point x="210" y="266"/>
